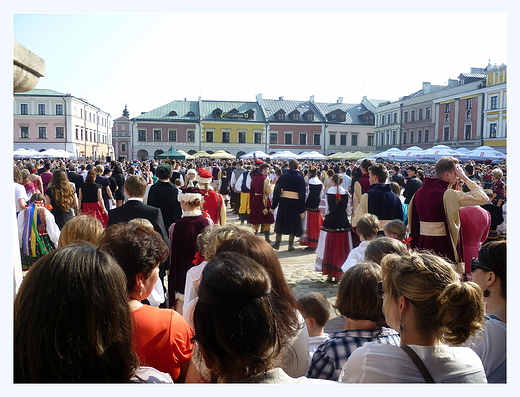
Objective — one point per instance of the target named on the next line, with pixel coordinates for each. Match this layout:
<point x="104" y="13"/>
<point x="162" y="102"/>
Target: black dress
<point x="60" y="216"/>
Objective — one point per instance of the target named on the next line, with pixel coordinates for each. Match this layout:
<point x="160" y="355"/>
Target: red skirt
<point x="311" y="229"/>
<point x="332" y="252"/>
<point x="95" y="210"/>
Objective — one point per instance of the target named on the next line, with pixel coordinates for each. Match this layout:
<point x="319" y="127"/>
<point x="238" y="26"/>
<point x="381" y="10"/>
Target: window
<point x="157" y="136"/>
<point x="448" y="107"/>
<point x="209" y="136"/>
<point x="406" y="117"/>
<point x="90" y="136"/>
<point x="333" y="116"/>
<point x="24" y="109"/>
<point x="296" y="116"/>
<point x="395" y="117"/>
<point x="428" y="113"/>
<point x="258" y="137"/>
<point x="60" y="132"/>
<point x="493" y="130"/>
<point x="42" y="132"/>
<point x="142" y="136"/>
<point x="309" y="116"/>
<point x="494" y="102"/>
<point x="446" y="118"/>
<point x="467" y="132"/>
<point x="446" y="133"/>
<point x="469" y="103"/>
<point x="288" y="138"/>
<point x="419" y="136"/>
<point x="382" y="119"/>
<point x="411" y="137"/>
<point x="354" y="140"/>
<point x="426" y="133"/>
<point x="123" y="147"/>
<point x="59" y="110"/>
<point x="404" y="137"/>
<point x="303" y="139"/>
<point x="388" y="118"/>
<point x="241" y="137"/>
<point x="24" y="132"/>
<point x="412" y="116"/>
<point x="172" y="135"/>
<point x="82" y="134"/>
<point x="41" y="109"/>
<point x="273" y="138"/>
<point x="316" y="140"/>
<point x="225" y="136"/>
<point x="279" y="116"/>
<point x="332" y="139"/>
<point x="77" y="134"/>
<point x="420" y="114"/>
<point x="343" y="139"/>
<point x="394" y="138"/>
<point x="190" y="136"/>
<point x="370" y="140"/>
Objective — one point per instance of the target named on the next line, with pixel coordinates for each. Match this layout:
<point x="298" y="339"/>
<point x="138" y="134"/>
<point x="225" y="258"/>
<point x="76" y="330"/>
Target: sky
<point x="148" y="60"/>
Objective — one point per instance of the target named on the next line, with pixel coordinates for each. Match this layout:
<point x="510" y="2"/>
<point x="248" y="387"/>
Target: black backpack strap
<point x="418" y="362"/>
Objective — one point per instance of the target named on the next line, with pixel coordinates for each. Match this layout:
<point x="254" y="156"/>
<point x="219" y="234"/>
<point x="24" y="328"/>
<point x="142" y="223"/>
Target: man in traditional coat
<point x="260" y="202"/>
<point x="289" y="195"/>
<point x="433" y="213"/>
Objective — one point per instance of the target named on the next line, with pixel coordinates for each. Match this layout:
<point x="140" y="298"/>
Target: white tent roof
<point x="405" y="155"/>
<point x="485" y="153"/>
<point x="385" y="154"/>
<point x="314" y="155"/>
<point x="435" y="153"/>
<point x="257" y="153"/>
<point x="285" y="154"/>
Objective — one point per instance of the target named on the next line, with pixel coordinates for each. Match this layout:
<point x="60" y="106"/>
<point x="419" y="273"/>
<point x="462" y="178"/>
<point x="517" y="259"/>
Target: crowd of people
<point x="132" y="271"/>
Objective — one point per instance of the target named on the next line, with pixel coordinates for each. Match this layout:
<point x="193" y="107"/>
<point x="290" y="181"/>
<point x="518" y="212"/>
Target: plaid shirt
<point x="332" y="354"/>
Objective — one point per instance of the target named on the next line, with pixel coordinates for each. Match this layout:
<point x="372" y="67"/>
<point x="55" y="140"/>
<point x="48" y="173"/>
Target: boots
<point x="291" y="243"/>
<point x="277" y="242"/>
<point x="266" y="235"/>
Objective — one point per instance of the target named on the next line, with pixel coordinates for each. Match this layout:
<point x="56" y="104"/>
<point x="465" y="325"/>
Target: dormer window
<point x="233" y="111"/>
<point x="217" y="113"/>
<point x="190" y="114"/>
<point x="280" y="115"/>
<point x="172" y="113"/>
<point x="308" y="116"/>
<point x="295" y="115"/>
<point x="250" y="113"/>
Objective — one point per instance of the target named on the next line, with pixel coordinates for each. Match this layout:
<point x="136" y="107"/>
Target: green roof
<point x="41" y="92"/>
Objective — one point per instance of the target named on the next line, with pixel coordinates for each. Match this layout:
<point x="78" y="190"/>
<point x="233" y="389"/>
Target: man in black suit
<point x="164" y="195"/>
<point x="135" y="188"/>
<point x="74" y="177"/>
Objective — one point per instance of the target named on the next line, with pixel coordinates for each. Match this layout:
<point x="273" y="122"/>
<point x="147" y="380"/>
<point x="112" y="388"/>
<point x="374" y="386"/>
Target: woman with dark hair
<point x="362" y="310"/>
<point x="46" y="176"/>
<point x="162" y="338"/>
<point x="90" y="199"/>
<point x="61" y="196"/>
<point x="294" y="359"/>
<point x="335" y="242"/>
<point x="238" y="328"/>
<point x="313" y="219"/>
<point x="34" y="178"/>
<point x="72" y="322"/>
<point x="490" y="273"/>
<point x="119" y="177"/>
<point x="434" y="313"/>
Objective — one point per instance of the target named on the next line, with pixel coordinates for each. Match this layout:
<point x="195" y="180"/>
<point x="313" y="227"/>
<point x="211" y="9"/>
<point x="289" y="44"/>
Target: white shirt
<point x="19" y="192"/>
<point x="347" y="180"/>
<point x="357" y="255"/>
<point x="380" y="363"/>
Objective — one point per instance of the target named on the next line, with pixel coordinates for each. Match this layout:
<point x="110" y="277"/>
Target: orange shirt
<point x="162" y="339"/>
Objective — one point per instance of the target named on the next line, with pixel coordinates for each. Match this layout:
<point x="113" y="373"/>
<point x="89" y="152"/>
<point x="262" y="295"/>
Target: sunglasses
<point x="379" y="290"/>
<point x="477" y="265"/>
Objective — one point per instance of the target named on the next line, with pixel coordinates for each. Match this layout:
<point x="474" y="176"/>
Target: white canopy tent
<point x="486" y="153"/>
<point x="314" y="155"/>
<point x="405" y="155"/>
<point x="435" y="153"/>
<point x="284" y="155"/>
<point x="384" y="155"/>
<point x="255" y="153"/>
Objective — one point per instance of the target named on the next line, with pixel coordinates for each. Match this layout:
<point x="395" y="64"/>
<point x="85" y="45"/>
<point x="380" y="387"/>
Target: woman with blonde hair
<point x="61" y="196"/>
<point x="434" y="313"/>
<point x="81" y="228"/>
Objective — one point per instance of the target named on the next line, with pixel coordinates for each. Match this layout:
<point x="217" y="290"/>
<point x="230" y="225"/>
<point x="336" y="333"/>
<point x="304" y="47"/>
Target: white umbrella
<point x="255" y="153"/>
<point x="314" y="155"/>
<point x="405" y="155"/>
<point x="22" y="154"/>
<point x="63" y="154"/>
<point x="435" y="153"/>
<point x="384" y="155"/>
<point x="285" y="154"/>
<point x="486" y="153"/>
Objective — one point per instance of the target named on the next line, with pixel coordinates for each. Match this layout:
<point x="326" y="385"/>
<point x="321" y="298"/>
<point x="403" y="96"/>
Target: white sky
<point x="148" y="60"/>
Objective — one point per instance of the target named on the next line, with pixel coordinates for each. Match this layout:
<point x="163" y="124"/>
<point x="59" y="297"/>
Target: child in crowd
<point x="367" y="229"/>
<point x="315" y="309"/>
<point x="396" y="229"/>
<point x="381" y="246"/>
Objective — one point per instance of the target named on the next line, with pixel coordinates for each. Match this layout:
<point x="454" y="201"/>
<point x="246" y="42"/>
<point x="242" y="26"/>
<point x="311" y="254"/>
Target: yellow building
<point x="495" y="108"/>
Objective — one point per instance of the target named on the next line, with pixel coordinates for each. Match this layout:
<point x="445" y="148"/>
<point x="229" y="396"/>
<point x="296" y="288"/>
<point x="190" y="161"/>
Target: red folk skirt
<point x="311" y="229"/>
<point x="332" y="252"/>
<point x="95" y="210"/>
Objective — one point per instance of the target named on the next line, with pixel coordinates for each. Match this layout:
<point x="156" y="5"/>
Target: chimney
<point x="452" y="83"/>
<point x="311" y="99"/>
<point x="426" y="87"/>
<point x="340" y="100"/>
<point x="259" y="98"/>
<point x="280" y="98"/>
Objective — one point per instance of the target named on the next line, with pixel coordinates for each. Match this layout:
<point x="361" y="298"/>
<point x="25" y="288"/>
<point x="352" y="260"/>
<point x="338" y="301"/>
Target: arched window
<point x="447" y="118"/>
<point x="468" y="114"/>
<point x="123" y="147"/>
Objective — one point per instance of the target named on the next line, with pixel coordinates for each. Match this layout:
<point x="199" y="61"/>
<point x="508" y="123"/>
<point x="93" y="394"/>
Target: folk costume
<point x="289" y="196"/>
<point x="183" y="244"/>
<point x="245" y="206"/>
<point x="313" y="220"/>
<point x="335" y="240"/>
<point x="213" y="205"/>
<point x="474" y="229"/>
<point x="382" y="202"/>
<point x="38" y="233"/>
<point x="261" y="204"/>
<point x="433" y="215"/>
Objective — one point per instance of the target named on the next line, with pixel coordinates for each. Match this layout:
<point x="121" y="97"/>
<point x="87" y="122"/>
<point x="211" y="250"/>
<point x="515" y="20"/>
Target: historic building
<point x="47" y="119"/>
<point x="122" y="136"/>
<point x="495" y="107"/>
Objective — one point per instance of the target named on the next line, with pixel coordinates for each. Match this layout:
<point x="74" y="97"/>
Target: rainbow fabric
<point x="30" y="236"/>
